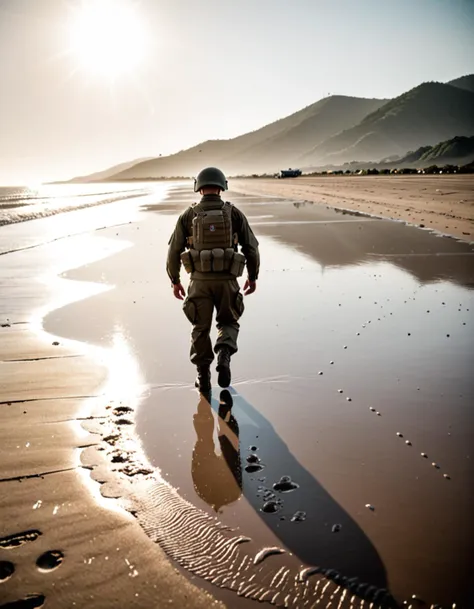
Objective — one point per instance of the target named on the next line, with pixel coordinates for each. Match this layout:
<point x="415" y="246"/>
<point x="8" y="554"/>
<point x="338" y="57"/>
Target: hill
<point x="465" y="82"/>
<point x="456" y="151"/>
<point x="265" y="149"/>
<point x="107" y="173"/>
<point x="423" y="116"/>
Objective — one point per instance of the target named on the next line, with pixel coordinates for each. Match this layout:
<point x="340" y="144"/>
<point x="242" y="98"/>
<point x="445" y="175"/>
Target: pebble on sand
<point x="407" y="442"/>
<point x="336" y="528"/>
<point x="424" y="455"/>
<point x="349" y="399"/>
<point x="339" y="390"/>
<point x="370" y="507"/>
<point x="435" y="465"/>
<point x="447" y="476"/>
<point x="253" y="459"/>
<point x="372" y="409"/>
<point x="55" y="343"/>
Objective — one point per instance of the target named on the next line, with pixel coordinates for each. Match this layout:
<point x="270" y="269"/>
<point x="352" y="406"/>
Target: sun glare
<point x="107" y="37"/>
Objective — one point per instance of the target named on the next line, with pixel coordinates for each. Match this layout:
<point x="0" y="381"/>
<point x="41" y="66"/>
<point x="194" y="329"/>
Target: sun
<point x="107" y="37"/>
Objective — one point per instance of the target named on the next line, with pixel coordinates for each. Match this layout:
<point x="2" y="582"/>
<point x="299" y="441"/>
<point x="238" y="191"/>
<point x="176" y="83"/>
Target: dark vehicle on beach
<point x="288" y="173"/>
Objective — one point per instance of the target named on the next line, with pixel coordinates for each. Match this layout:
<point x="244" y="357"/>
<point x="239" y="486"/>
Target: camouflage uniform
<point x="212" y="289"/>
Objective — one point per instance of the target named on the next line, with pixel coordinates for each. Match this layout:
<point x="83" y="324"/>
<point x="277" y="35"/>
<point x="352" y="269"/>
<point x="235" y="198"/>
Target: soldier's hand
<point x="250" y="287"/>
<point x="178" y="291"/>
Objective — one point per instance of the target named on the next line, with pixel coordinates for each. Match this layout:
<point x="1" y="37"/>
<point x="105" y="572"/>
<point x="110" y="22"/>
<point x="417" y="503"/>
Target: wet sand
<point x="360" y="329"/>
<point x="442" y="203"/>
<point x="62" y="544"/>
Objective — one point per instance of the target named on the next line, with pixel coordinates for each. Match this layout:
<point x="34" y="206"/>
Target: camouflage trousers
<point x="205" y="295"/>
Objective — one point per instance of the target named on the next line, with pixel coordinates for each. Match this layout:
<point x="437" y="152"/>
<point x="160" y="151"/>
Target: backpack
<point x="212" y="228"/>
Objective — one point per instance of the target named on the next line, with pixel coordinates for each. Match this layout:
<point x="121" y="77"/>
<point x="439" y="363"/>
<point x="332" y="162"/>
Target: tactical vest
<point x="212" y="245"/>
<point x="212" y="228"/>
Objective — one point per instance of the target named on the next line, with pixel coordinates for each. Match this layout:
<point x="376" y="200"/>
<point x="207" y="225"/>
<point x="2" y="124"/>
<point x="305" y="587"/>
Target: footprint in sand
<point x="31" y="601"/>
<point x="7" y="569"/>
<point x="49" y="560"/>
<point x="18" y="539"/>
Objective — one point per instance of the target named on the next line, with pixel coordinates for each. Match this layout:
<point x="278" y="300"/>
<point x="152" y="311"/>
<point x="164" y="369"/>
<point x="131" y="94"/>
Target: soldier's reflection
<point x="217" y="477"/>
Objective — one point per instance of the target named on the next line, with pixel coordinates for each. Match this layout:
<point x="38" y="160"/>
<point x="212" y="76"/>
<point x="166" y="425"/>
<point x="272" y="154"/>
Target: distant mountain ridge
<point x="465" y="82"/>
<point x="332" y="131"/>
<point x="457" y="150"/>
<point x="264" y="148"/>
<point x="424" y="115"/>
<point x="111" y="171"/>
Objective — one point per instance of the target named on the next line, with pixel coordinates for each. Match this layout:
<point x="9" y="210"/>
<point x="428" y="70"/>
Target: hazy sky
<point x="73" y="101"/>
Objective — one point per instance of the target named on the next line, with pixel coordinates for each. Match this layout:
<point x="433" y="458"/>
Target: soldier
<point x="206" y="240"/>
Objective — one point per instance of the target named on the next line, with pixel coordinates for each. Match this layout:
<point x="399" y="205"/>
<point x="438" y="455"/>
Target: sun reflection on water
<point x="125" y="383"/>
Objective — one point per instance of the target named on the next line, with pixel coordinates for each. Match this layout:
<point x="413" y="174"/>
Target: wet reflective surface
<point x="360" y="330"/>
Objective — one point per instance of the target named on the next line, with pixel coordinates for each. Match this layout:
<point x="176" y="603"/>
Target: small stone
<point x="372" y="409"/>
<point x="447" y="335"/>
<point x="345" y="346"/>
<point x="285" y="485"/>
<point x="407" y="442"/>
<point x="336" y="528"/>
<point x="424" y="455"/>
<point x="298" y="516"/>
<point x="349" y="399"/>
<point x="253" y="448"/>
<point x="378" y="414"/>
<point x="320" y="373"/>
<point x="271" y="507"/>
<point x="253" y="459"/>
<point x="447" y="476"/>
<point x="435" y="465"/>
<point x="370" y="507"/>
<point x="339" y="390"/>
<point x="55" y="343"/>
<point x="331" y="362"/>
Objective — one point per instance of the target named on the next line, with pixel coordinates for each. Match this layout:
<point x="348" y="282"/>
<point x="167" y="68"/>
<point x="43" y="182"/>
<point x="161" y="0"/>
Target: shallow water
<point x="392" y="307"/>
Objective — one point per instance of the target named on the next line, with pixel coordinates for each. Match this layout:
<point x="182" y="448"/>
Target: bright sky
<point x="86" y="84"/>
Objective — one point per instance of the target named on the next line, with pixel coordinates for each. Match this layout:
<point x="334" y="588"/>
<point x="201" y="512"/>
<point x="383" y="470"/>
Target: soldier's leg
<point x="230" y="306"/>
<point x="198" y="308"/>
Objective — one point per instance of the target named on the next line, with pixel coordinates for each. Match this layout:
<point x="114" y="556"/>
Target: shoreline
<point x="52" y="389"/>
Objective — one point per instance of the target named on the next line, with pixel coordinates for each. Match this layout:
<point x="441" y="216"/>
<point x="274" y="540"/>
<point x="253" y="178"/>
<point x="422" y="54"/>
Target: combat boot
<point x="223" y="367"/>
<point x="203" y="379"/>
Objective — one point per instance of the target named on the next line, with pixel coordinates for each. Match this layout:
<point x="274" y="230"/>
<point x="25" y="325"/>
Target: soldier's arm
<point x="176" y="245"/>
<point x="248" y="242"/>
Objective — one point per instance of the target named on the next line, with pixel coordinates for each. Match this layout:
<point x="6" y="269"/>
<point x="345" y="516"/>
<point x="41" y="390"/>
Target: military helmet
<point x="210" y="176"/>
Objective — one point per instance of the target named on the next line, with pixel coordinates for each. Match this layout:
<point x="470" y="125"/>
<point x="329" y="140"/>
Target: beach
<point x="441" y="203"/>
<point x="353" y="378"/>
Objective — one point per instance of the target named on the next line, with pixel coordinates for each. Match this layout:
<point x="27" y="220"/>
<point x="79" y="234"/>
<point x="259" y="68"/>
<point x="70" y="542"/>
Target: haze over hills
<point x="457" y="150"/>
<point x="423" y="116"/>
<point x="332" y="131"/>
<point x="107" y="173"/>
<point x="276" y="143"/>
